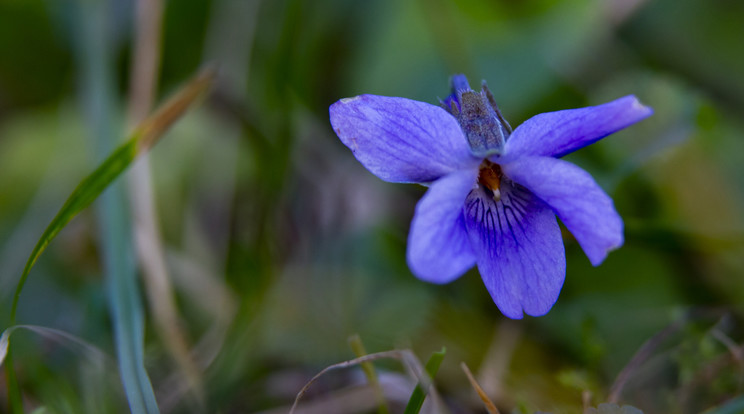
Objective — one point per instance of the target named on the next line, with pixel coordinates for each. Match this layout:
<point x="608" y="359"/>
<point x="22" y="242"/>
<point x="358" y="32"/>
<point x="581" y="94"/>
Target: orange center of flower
<point x="490" y="177"/>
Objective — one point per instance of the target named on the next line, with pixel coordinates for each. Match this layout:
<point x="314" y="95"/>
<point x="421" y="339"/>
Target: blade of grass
<point x="355" y="342"/>
<point x="418" y="395"/>
<point x="120" y="273"/>
<point x="88" y="350"/>
<point x="141" y="140"/>
<point x="114" y="221"/>
<point x="123" y="294"/>
<point x="147" y="238"/>
<point x="407" y="357"/>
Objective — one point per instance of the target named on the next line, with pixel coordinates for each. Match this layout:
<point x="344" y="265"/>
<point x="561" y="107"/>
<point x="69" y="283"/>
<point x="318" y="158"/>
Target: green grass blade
<point x="419" y="394"/>
<point x="84" y="194"/>
<point x="141" y="140"/>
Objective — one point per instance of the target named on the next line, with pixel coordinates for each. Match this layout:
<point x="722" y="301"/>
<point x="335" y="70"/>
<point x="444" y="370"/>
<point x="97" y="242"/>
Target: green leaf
<point x="418" y="396"/>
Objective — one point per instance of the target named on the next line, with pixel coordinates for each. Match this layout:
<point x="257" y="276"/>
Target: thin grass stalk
<point x="148" y="241"/>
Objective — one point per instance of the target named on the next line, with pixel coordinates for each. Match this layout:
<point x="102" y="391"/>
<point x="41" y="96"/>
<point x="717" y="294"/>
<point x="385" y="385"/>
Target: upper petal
<point x="438" y="246"/>
<point x="401" y="140"/>
<point x="585" y="209"/>
<point x="556" y="134"/>
<point x="519" y="249"/>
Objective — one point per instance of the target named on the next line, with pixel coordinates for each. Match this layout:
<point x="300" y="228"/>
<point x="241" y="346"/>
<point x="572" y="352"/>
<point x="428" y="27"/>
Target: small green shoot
<point x="418" y="396"/>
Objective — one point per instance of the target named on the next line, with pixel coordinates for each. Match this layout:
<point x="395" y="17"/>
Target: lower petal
<point x="438" y="247"/>
<point x="518" y="247"/>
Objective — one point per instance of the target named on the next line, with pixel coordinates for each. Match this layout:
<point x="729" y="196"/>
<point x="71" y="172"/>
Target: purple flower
<point x="493" y="192"/>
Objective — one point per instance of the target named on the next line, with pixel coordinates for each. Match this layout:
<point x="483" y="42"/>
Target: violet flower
<point x="493" y="192"/>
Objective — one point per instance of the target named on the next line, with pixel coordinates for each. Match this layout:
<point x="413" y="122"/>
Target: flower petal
<point x="585" y="209"/>
<point x="519" y="249"/>
<point x="556" y="134"/>
<point x="438" y="247"/>
<point x="401" y="140"/>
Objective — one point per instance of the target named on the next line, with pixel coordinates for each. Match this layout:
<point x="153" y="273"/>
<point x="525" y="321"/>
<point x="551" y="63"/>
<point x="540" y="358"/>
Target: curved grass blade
<point x="97" y="366"/>
<point x="404" y="355"/>
<point x="140" y="141"/>
<point x="90" y="351"/>
<point x="418" y="395"/>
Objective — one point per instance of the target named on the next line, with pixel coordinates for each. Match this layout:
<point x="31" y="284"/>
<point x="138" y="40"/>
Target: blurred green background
<point x="280" y="246"/>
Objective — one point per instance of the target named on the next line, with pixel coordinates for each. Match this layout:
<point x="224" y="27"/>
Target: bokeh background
<point x="279" y="246"/>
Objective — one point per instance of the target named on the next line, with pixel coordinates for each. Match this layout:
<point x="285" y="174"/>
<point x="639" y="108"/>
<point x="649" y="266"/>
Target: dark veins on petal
<point x="500" y="218"/>
<point x="518" y="248"/>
